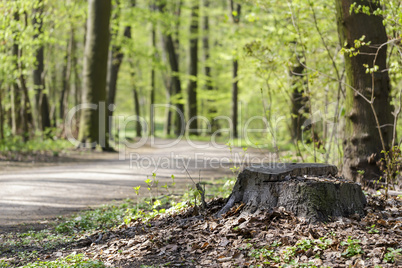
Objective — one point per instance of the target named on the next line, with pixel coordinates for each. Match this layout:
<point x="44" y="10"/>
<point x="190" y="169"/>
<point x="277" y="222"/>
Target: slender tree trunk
<point x="67" y="71"/>
<point x="77" y="87"/>
<point x="176" y="37"/>
<point x="114" y="63"/>
<point x="211" y="111"/>
<point x="153" y="89"/>
<point x="52" y="85"/>
<point x="138" y="128"/>
<point x="175" y="80"/>
<point x="26" y="117"/>
<point x="1" y="113"/>
<point x="193" y="69"/>
<point x="235" y="94"/>
<point x="26" y="111"/>
<point x="93" y="123"/>
<point x="8" y="112"/>
<point x="235" y="11"/>
<point x="167" y="81"/>
<point x="363" y="144"/>
<point x="116" y="57"/>
<point x="16" y="93"/>
<point x="41" y="99"/>
<point x="299" y="98"/>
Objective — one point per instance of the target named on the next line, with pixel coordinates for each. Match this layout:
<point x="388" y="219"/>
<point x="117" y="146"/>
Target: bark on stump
<point x="307" y="190"/>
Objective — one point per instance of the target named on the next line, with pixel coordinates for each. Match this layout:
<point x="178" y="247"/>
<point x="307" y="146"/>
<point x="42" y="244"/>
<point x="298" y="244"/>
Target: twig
<point x="199" y="189"/>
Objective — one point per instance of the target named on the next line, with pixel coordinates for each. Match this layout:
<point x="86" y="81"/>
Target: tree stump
<point x="308" y="190"/>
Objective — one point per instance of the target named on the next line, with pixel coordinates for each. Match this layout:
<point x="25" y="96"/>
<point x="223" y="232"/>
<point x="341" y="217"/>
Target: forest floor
<point x="172" y="234"/>
<point x="194" y="237"/>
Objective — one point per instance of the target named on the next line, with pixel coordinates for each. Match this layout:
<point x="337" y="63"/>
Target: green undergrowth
<point x="271" y="254"/>
<point x="65" y="230"/>
<point x="73" y="260"/>
<point x="39" y="143"/>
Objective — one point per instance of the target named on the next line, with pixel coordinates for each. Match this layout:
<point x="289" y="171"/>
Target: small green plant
<point x="137" y="190"/>
<point x="276" y="243"/>
<point x="26" y="255"/>
<point x="324" y="242"/>
<point x="372" y="229"/>
<point x="236" y="169"/>
<point x="393" y="164"/>
<point x="391" y="254"/>
<point x="288" y="254"/>
<point x="360" y="172"/>
<point x="4" y="264"/>
<point x="305" y="244"/>
<point x="265" y="254"/>
<point x="352" y="247"/>
<point x="69" y="261"/>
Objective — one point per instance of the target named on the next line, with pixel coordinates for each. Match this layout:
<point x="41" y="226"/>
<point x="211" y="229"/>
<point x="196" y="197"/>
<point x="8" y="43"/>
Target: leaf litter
<point x="276" y="238"/>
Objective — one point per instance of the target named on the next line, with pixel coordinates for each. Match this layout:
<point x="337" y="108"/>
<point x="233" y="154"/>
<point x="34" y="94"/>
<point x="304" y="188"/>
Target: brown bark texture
<point x="362" y="144"/>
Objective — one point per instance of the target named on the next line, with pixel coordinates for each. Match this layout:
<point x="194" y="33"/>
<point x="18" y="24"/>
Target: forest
<point x="151" y="82"/>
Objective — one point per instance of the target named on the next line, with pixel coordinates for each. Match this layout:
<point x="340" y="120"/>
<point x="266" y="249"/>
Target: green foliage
<point x="372" y="229"/>
<point x="352" y="247"/>
<point x="264" y="253"/>
<point x="392" y="254"/>
<point x="73" y="260"/>
<point x="12" y="145"/>
<point x="97" y="219"/>
<point x="393" y="163"/>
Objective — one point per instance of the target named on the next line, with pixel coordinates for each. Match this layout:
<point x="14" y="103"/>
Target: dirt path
<point x="33" y="192"/>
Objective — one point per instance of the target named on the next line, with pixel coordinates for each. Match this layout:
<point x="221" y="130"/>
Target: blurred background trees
<point x="306" y="75"/>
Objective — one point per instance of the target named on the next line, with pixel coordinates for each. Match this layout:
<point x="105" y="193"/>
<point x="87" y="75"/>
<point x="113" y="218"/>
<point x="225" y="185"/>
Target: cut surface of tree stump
<point x="307" y="190"/>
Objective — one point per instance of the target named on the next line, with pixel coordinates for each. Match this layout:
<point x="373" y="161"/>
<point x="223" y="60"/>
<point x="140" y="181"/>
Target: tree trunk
<point x="193" y="70"/>
<point x="26" y="111"/>
<point x="26" y="117"/>
<point x="235" y="93"/>
<point x="67" y="71"/>
<point x="1" y="113"/>
<point x="93" y="121"/>
<point x="307" y="190"/>
<point x="211" y="111"/>
<point x="169" y="46"/>
<point x="41" y="100"/>
<point x="138" y="128"/>
<point x="77" y="87"/>
<point x="299" y="98"/>
<point x="16" y="93"/>
<point x="153" y="89"/>
<point x="114" y="63"/>
<point x="363" y="145"/>
<point x="235" y="11"/>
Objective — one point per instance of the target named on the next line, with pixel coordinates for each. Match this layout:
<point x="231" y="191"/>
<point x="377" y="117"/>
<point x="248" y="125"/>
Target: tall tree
<point x="299" y="97"/>
<point x="364" y="142"/>
<point x="22" y="120"/>
<point x="15" y="91"/>
<point x="235" y="11"/>
<point x="41" y="99"/>
<point x="207" y="65"/>
<point x="2" y="121"/>
<point x="153" y="8"/>
<point x="193" y="68"/>
<point x="138" y="126"/>
<point x="67" y="73"/>
<point x="169" y="46"/>
<point x="93" y="125"/>
<point x="116" y="57"/>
